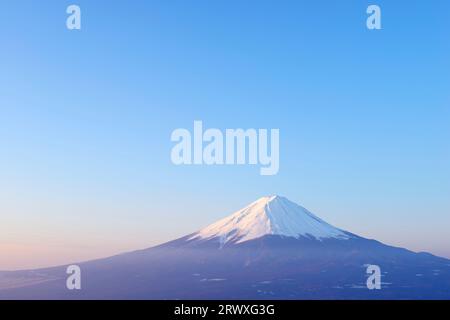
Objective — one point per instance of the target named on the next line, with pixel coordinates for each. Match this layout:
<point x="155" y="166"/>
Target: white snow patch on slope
<point x="273" y="215"/>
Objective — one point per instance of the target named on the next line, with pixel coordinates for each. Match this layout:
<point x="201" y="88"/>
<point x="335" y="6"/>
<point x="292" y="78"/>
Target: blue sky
<point x="86" y="118"/>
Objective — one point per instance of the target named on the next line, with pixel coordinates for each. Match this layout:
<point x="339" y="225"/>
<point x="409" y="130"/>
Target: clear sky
<point x="86" y="118"/>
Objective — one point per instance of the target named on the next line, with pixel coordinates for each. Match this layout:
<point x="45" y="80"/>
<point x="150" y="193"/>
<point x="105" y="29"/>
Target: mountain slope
<point x="272" y="249"/>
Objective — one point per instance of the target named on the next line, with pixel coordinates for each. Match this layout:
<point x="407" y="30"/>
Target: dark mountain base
<point x="271" y="267"/>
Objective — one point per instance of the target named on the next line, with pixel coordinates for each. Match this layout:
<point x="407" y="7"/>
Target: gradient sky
<point x="86" y="118"/>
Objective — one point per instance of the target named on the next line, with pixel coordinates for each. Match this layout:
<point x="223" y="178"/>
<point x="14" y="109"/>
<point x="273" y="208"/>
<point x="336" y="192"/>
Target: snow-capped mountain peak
<point x="270" y="215"/>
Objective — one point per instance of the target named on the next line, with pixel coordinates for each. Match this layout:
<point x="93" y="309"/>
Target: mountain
<point x="271" y="249"/>
<point x="272" y="215"/>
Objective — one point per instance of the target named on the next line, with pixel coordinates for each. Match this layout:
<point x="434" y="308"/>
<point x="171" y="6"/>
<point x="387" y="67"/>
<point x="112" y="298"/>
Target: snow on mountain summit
<point x="272" y="215"/>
